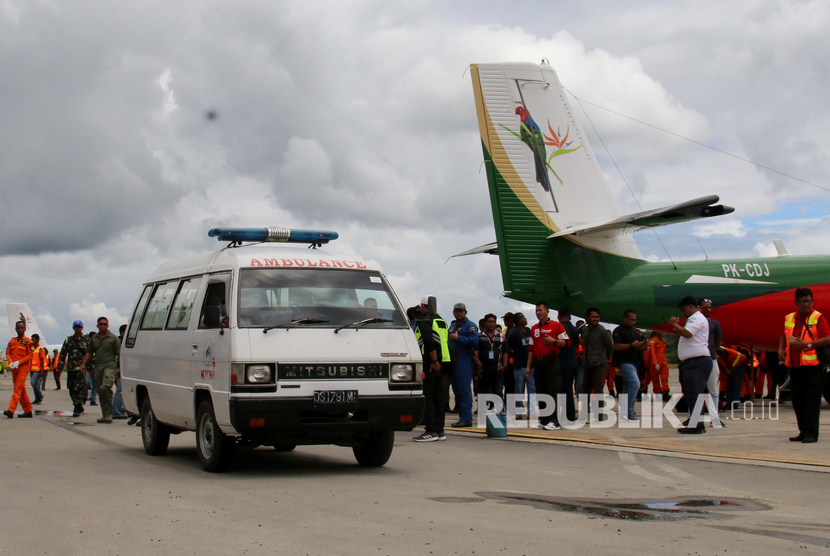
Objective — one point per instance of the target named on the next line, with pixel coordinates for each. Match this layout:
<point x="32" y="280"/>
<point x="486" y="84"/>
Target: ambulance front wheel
<point x="375" y="449"/>
<point x="215" y="449"/>
<point x="154" y="435"/>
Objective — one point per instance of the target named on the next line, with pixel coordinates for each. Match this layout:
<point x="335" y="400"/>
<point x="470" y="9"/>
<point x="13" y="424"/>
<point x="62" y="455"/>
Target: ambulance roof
<point x="257" y="255"/>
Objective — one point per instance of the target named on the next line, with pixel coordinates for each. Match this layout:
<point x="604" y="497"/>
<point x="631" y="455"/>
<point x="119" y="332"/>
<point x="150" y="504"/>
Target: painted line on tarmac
<point x="770" y="461"/>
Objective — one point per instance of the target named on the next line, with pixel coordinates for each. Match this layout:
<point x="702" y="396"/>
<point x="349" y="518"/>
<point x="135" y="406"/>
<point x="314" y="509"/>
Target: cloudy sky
<point x="358" y="116"/>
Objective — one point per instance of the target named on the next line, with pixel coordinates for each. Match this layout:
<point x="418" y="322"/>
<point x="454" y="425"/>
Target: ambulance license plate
<point x="328" y="398"/>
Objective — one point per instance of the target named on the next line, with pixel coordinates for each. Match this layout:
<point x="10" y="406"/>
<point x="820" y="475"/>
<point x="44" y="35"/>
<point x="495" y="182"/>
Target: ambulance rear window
<point x="315" y="297"/>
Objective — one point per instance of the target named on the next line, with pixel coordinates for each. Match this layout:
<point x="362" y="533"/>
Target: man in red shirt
<point x="546" y="338"/>
<point x="804" y="331"/>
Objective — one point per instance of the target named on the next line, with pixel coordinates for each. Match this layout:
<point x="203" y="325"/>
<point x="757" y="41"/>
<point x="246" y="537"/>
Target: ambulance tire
<point x="376" y="449"/>
<point x="154" y="435"/>
<point x="215" y="449"/>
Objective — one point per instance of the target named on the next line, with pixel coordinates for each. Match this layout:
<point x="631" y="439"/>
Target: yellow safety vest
<point x="809" y="358"/>
<point x="440" y="335"/>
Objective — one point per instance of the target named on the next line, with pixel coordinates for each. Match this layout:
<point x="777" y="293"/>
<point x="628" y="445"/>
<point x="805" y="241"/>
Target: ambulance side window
<point x="183" y="304"/>
<point x="159" y="306"/>
<point x="214" y="309"/>
<point x="132" y="331"/>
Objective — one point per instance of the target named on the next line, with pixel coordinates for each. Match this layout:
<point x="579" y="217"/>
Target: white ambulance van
<point x="270" y="344"/>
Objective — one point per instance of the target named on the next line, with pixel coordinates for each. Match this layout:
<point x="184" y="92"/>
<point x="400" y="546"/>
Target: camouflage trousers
<point x="75" y="382"/>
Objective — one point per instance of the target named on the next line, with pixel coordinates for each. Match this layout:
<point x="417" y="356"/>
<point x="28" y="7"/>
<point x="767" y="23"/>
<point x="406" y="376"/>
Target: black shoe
<point x="120" y="417"/>
<point x="692" y="430"/>
<point x="37" y="401"/>
<point x="27" y="415"/>
<point x="9" y="414"/>
<point x="798" y="438"/>
<point x="105" y="420"/>
<point x="77" y="412"/>
<point x="461" y="424"/>
<point x="93" y="402"/>
<point x="133" y="420"/>
<point x="809" y="440"/>
<point x="666" y="396"/>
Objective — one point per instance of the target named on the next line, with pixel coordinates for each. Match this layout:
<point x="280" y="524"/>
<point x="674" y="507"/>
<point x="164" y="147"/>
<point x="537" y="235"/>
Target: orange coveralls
<point x="20" y="351"/>
<point x="656" y="355"/>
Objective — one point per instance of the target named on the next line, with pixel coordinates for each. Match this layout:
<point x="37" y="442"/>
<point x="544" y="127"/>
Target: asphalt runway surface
<point x="72" y="486"/>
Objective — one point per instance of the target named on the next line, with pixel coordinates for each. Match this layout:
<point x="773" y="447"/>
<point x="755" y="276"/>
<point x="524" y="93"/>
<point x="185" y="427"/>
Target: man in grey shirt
<point x="104" y="348"/>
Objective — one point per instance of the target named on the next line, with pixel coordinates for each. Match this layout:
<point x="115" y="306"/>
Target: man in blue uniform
<point x="463" y="341"/>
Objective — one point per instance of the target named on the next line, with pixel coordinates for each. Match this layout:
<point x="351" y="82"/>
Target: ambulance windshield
<point x="281" y="297"/>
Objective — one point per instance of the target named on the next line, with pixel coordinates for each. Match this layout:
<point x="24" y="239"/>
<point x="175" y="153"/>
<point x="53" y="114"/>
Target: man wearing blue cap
<point x="70" y="360"/>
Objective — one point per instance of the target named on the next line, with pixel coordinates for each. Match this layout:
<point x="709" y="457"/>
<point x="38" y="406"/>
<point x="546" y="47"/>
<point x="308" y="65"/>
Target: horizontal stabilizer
<point x="490" y="249"/>
<point x="703" y="207"/>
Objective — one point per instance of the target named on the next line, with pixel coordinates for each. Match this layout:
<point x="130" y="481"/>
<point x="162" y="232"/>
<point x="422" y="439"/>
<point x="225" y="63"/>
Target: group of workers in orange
<point x="740" y="369"/>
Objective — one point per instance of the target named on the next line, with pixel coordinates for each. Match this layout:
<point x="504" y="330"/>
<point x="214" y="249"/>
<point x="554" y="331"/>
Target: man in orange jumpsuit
<point x="657" y="367"/>
<point x="19" y="354"/>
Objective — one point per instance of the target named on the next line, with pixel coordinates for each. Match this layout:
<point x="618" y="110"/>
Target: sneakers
<point x="10" y="415"/>
<point x="27" y="415"/>
<point x="442" y="436"/>
<point x="538" y="426"/>
<point x="427" y="437"/>
<point x="551" y="427"/>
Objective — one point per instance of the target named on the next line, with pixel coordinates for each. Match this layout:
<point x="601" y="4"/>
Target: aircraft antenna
<point x="619" y="171"/>
<point x="705" y="254"/>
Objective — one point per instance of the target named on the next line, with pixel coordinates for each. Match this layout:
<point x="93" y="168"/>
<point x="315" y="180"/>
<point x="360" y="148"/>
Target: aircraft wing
<point x="702" y="207"/>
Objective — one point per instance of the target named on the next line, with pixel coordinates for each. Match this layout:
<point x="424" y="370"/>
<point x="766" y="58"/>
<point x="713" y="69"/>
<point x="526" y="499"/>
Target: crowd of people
<point x="556" y="358"/>
<point x="90" y="362"/>
<point x="562" y="359"/>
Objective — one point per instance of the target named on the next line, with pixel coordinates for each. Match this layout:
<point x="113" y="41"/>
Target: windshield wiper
<point x="295" y="322"/>
<point x="360" y="323"/>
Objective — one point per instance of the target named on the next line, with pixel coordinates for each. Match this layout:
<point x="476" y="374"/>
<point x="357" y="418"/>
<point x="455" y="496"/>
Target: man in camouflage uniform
<point x="70" y="360"/>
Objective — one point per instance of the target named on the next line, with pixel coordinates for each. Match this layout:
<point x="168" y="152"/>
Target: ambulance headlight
<point x="258" y="374"/>
<point x="402" y="372"/>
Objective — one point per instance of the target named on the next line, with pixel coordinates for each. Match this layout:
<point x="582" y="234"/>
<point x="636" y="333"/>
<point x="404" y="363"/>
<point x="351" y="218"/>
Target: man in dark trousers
<point x="433" y="335"/>
<point x="804" y="331"/>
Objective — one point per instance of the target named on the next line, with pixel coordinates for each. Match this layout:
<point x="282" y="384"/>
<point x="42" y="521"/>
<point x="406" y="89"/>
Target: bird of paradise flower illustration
<point x="532" y="136"/>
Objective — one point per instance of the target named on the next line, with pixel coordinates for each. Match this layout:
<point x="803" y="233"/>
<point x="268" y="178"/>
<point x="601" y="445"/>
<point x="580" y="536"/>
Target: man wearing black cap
<point x="695" y="360"/>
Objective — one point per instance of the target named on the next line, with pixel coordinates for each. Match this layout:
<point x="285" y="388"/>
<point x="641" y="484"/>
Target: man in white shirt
<point x="695" y="360"/>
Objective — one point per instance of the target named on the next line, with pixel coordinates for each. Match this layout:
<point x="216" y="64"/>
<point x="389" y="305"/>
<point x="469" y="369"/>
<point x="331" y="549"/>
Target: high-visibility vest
<point x="809" y="333"/>
<point x="733" y="359"/>
<point x="37" y="359"/>
<point x="440" y="335"/>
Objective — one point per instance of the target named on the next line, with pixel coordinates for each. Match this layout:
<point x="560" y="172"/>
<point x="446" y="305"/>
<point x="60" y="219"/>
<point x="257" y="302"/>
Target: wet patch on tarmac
<point x="670" y="509"/>
<point x="64" y="417"/>
<point x="456" y="499"/>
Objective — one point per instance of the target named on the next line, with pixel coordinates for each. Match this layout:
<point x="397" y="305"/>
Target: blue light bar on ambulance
<point x="273" y="234"/>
